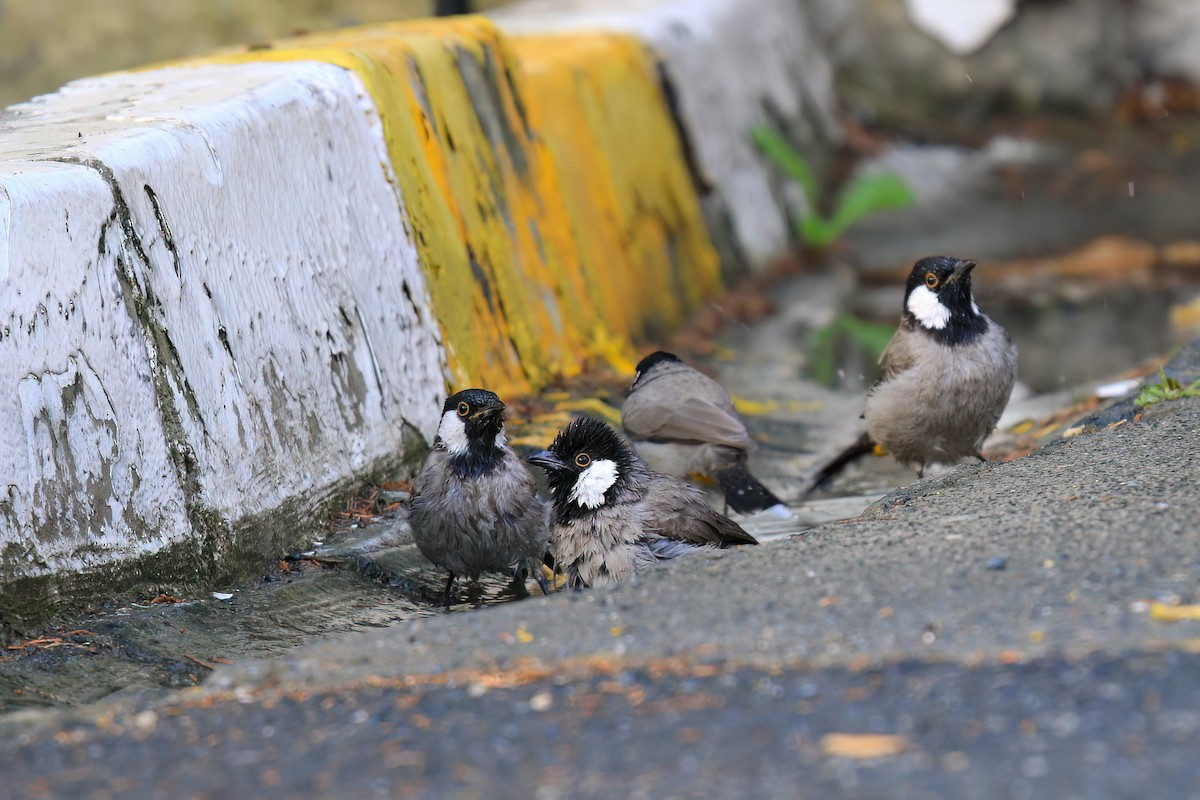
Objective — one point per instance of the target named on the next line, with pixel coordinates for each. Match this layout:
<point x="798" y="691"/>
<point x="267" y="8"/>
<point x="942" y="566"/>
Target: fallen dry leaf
<point x="1165" y="613"/>
<point x="1181" y="254"/>
<point x="863" y="745"/>
<point x="1187" y="316"/>
<point x="1010" y="657"/>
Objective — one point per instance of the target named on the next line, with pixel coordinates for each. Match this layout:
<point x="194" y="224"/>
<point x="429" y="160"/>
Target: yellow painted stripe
<point x="645" y="254"/>
<point x="543" y="177"/>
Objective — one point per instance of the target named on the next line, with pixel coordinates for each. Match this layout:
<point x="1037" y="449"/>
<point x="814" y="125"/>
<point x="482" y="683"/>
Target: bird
<point x="475" y="507"/>
<point x="947" y="374"/>
<point x="449" y="8"/>
<point x="612" y="515"/>
<point x="683" y="423"/>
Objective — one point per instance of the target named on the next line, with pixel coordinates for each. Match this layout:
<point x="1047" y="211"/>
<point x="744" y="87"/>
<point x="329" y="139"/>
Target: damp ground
<point x="1039" y="571"/>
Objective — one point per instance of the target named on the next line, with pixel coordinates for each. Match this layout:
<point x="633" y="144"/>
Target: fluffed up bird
<point x="683" y="423"/>
<point x="948" y="372"/>
<point x="613" y="516"/>
<point x="475" y="507"/>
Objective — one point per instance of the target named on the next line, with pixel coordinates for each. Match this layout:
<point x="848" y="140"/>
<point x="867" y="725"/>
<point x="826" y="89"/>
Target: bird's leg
<point x="979" y="455"/>
<point x="540" y="576"/>
<point x="921" y="472"/>
<point x="447" y="593"/>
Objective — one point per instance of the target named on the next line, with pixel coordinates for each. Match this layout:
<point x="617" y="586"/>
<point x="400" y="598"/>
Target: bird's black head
<point x="649" y="362"/>
<point x="587" y="466"/>
<point x="938" y="300"/>
<point x="472" y="430"/>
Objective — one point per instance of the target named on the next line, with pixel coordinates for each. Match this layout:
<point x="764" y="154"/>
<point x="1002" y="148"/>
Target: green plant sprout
<point x="870" y="336"/>
<point x="1167" y="388"/>
<point x="864" y="195"/>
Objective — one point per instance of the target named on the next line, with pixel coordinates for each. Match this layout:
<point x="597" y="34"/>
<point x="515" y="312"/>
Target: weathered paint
<point x="646" y="258"/>
<point x="211" y="306"/>
<point x="255" y="262"/>
<point x="732" y="65"/>
<point x="83" y="452"/>
<point x="546" y="184"/>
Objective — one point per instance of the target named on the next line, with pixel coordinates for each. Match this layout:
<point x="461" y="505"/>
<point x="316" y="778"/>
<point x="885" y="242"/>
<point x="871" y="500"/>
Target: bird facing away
<point x="476" y="507"/>
<point x="683" y="423"/>
<point x="613" y="516"/>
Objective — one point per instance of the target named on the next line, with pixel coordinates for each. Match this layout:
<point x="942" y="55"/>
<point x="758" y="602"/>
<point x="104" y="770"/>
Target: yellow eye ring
<point x="463" y="409"/>
<point x="931" y="280"/>
<point x="582" y="460"/>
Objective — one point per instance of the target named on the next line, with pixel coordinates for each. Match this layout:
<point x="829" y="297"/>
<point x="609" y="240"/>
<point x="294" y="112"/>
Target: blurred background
<point x="45" y="43"/>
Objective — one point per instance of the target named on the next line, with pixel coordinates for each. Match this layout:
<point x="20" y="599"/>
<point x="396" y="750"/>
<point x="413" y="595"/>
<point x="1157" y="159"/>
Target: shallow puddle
<point x="365" y="578"/>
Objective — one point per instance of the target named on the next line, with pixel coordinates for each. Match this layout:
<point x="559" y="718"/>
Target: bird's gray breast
<point x="601" y="547"/>
<point x="946" y="400"/>
<point x="487" y="523"/>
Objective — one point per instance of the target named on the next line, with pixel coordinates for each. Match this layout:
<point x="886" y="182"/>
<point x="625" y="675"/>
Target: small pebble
<point x="998" y="563"/>
<point x="145" y="721"/>
<point x="542" y="701"/>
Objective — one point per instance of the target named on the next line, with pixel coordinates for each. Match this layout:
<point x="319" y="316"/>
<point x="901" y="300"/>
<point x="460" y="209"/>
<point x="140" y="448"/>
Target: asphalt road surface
<point x="990" y="622"/>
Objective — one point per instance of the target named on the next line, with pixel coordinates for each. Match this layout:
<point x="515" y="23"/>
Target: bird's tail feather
<point x="861" y="447"/>
<point x="743" y="492"/>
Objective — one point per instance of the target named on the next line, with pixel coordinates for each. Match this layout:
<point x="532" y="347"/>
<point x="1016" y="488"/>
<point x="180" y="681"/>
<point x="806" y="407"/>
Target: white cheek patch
<point x="501" y="440"/>
<point x="929" y="311"/>
<point x="975" y="308"/>
<point x="453" y="433"/>
<point x="593" y="482"/>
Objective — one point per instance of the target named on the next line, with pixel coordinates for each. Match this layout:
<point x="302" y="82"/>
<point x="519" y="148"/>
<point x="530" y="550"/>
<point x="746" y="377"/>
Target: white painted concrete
<point x="734" y="64"/>
<point x="961" y="27"/>
<point x="241" y="323"/>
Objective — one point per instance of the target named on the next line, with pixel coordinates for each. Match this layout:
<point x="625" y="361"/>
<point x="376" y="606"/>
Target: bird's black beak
<point x="489" y="410"/>
<point x="547" y="460"/>
<point x="961" y="270"/>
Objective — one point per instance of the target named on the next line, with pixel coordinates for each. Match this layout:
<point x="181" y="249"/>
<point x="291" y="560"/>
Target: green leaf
<point x="1167" y="388"/>
<point x="871" y="336"/>
<point x="821" y="353"/>
<point x="784" y="156"/>
<point x="816" y="232"/>
<point x="866" y="195"/>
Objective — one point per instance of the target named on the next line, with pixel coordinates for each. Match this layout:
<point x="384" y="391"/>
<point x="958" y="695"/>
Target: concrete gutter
<point x="239" y="285"/>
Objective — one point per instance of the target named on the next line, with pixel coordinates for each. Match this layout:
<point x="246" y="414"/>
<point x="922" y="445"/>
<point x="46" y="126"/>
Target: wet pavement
<point x="991" y="622"/>
<point x="1099" y="727"/>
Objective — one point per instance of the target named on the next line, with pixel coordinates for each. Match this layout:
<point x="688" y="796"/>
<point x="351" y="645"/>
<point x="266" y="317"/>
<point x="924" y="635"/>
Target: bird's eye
<point x="931" y="280"/>
<point x="582" y="460"/>
<point x="463" y="409"/>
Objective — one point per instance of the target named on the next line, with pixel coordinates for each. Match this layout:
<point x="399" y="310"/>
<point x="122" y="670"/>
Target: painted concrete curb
<point x="238" y="283"/>
<point x="731" y="65"/>
<point x="211" y="306"/>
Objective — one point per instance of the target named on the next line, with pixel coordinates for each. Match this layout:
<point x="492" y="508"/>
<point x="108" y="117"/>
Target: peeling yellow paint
<point x="554" y="214"/>
<point x="646" y="256"/>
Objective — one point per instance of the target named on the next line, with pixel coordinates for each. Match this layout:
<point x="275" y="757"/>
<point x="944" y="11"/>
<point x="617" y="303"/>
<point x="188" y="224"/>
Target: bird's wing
<point x="660" y="549"/>
<point x="677" y="510"/>
<point x="899" y="355"/>
<point x="685" y="419"/>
